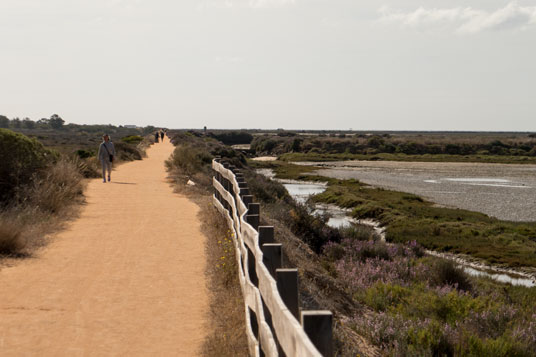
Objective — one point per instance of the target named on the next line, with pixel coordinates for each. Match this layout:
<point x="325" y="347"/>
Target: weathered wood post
<point x="271" y="256"/>
<point x="254" y="208"/>
<point x="266" y="234"/>
<point x="287" y="285"/>
<point x="247" y="199"/>
<point x="317" y="324"/>
<point x="253" y="220"/>
<point x="244" y="192"/>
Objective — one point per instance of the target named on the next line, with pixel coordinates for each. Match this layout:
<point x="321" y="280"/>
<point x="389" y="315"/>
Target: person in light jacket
<point x="106" y="156"/>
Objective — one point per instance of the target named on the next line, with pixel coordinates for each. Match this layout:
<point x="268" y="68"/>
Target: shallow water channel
<point x="302" y="190"/>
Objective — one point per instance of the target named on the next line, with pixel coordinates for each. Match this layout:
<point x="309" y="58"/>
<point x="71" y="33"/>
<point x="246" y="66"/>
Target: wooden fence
<point x="270" y="293"/>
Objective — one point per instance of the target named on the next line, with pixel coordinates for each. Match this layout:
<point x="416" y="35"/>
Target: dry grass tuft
<point x="11" y="240"/>
<point x="59" y="185"/>
<point x="228" y="334"/>
<point x="40" y="208"/>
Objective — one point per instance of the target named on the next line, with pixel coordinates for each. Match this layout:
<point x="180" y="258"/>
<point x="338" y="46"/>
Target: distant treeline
<point x="56" y="122"/>
<point x="232" y="137"/>
<point x="376" y="144"/>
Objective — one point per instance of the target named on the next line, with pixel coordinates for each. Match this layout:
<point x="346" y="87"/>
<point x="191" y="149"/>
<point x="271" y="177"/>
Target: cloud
<point x="253" y="4"/>
<point x="462" y="20"/>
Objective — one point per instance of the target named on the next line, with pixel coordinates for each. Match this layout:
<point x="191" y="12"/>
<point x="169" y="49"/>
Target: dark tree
<point x="16" y="123"/>
<point x="56" y="122"/>
<point x="43" y="122"/>
<point x="28" y="123"/>
<point x="4" y="121"/>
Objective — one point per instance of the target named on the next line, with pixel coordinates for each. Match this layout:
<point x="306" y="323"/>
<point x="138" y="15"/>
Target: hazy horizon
<point x="308" y="64"/>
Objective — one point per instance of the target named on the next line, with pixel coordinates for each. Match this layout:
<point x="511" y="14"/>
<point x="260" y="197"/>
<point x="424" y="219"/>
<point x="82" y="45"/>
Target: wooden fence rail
<point x="275" y="326"/>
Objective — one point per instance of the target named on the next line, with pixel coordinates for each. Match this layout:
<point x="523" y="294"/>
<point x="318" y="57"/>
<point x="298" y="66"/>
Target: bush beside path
<point x="127" y="277"/>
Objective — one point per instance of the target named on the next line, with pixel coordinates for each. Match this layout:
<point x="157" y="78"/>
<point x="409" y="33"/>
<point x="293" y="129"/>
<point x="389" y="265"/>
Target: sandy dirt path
<point x="126" y="278"/>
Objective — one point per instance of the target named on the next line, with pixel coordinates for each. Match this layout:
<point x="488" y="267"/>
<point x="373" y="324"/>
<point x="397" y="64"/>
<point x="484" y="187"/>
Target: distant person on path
<point x="162" y="135"/>
<point x="106" y="156"/>
<point x="156" y="137"/>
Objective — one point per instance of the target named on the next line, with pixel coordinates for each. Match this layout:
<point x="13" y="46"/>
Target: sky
<point x="292" y="64"/>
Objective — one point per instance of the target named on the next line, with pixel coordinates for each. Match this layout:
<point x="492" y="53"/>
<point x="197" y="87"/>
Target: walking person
<point x="156" y="137"/>
<point x="106" y="156"/>
<point x="162" y="135"/>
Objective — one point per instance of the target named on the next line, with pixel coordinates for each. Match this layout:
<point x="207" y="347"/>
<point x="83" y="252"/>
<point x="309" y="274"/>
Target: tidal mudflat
<point x="507" y="192"/>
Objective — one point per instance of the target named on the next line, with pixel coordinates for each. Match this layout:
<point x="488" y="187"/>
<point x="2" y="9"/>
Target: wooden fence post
<point x="247" y="199"/>
<point x="317" y="324"/>
<point x="253" y="220"/>
<point x="254" y="208"/>
<point x="266" y="235"/>
<point x="287" y="285"/>
<point x="244" y="191"/>
<point x="271" y="256"/>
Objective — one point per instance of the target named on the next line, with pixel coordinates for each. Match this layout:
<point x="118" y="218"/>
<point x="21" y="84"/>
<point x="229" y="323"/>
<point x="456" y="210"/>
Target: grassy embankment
<point x="191" y="160"/>
<point x="416" y="304"/>
<point x="41" y="187"/>
<point x="408" y="217"/>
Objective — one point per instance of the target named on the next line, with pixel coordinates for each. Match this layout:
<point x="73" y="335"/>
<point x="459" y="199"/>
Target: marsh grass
<point x="408" y="217"/>
<point x="427" y="307"/>
<point x="419" y="305"/>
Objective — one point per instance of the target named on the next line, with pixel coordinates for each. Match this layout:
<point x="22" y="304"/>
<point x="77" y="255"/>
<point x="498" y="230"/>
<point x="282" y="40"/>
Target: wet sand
<point x="504" y="191"/>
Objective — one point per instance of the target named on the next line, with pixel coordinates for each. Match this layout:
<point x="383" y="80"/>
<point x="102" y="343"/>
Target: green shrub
<point x="265" y="190"/>
<point x="430" y="340"/>
<point x="445" y="272"/>
<point x="84" y="154"/>
<point x="21" y="157"/>
<point x="132" y="139"/>
<point x="189" y="159"/>
<point x="382" y="296"/>
<point x="233" y="137"/>
<point x="127" y="152"/>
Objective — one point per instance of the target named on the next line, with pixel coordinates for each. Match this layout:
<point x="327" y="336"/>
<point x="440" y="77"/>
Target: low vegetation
<point x="428" y="307"/>
<point x="231" y="137"/>
<point x="408" y="217"/>
<point x="457" y="147"/>
<point x="412" y="304"/>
